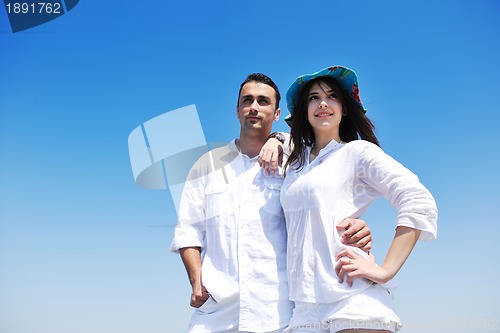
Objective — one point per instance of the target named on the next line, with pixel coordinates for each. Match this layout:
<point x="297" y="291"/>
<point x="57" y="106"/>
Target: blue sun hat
<point x="344" y="76"/>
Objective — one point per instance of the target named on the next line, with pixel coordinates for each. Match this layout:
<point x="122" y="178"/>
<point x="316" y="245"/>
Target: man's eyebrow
<point x="258" y="97"/>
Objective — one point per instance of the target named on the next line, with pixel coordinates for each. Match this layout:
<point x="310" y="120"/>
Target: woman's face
<point x="324" y="110"/>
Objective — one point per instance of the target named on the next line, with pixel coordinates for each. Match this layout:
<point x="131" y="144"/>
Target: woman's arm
<point x="354" y="266"/>
<point x="271" y="154"/>
<point x="378" y="174"/>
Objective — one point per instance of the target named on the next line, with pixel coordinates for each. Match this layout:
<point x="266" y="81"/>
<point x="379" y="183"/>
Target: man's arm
<point x="191" y="257"/>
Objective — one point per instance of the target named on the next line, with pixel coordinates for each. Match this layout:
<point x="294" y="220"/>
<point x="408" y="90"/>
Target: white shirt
<point x="232" y="209"/>
<point x="342" y="181"/>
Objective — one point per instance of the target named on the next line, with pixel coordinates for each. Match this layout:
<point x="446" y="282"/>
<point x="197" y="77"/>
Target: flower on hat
<point x="355" y="93"/>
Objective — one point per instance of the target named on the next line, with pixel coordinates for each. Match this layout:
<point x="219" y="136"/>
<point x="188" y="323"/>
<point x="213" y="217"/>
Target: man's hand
<point x="356" y="233"/>
<point x="199" y="296"/>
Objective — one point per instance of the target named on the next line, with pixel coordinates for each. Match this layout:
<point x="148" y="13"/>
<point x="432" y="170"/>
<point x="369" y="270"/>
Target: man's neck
<point x="250" y="144"/>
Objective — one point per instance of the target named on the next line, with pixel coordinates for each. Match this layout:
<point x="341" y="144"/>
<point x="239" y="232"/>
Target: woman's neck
<point x="321" y="141"/>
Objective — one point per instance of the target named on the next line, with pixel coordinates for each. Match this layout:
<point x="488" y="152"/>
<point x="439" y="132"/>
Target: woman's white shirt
<point x="342" y="181"/>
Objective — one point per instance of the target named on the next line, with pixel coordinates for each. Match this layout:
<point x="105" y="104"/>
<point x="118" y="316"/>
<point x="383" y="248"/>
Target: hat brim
<point x="346" y="77"/>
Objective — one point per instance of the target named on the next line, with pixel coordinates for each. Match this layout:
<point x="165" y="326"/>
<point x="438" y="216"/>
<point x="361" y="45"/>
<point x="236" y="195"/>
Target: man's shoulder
<point x="215" y="159"/>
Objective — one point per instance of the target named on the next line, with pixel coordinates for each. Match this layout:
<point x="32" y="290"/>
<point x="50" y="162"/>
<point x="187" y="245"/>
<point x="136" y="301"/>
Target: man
<point x="230" y="212"/>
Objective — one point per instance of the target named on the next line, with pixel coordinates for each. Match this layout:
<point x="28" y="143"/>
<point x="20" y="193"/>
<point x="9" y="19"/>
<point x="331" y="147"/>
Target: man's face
<point x="256" y="106"/>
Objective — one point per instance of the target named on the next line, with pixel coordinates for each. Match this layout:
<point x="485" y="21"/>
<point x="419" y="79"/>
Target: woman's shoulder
<point x="362" y="145"/>
<point x="365" y="151"/>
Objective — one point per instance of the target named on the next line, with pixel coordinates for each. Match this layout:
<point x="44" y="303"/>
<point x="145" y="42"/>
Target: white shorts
<point x="214" y="317"/>
<point x="370" y="309"/>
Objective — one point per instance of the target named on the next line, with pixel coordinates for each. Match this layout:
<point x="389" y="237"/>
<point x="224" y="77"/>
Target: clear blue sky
<point x="83" y="249"/>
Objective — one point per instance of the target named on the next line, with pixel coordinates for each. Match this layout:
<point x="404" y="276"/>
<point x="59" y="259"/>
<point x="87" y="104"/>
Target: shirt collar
<point x="234" y="148"/>
<point x="329" y="148"/>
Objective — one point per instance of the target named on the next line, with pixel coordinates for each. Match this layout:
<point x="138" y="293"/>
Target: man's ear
<point x="277" y="113"/>
<point x="237" y="112"/>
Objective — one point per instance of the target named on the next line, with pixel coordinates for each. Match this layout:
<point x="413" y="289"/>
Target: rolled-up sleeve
<point x="415" y="204"/>
<point x="190" y="229"/>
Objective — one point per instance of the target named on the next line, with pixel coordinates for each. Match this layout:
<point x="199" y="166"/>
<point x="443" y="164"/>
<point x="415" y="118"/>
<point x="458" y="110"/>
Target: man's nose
<point x="254" y="106"/>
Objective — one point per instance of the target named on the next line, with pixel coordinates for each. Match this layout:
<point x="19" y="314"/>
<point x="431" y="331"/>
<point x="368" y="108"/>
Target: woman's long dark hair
<point x="354" y="125"/>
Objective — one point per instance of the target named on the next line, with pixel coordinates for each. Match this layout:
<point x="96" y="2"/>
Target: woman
<point x="335" y="170"/>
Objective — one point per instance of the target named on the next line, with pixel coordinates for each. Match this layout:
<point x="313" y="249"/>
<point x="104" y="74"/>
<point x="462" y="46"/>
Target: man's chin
<point x="254" y="124"/>
<point x="254" y="127"/>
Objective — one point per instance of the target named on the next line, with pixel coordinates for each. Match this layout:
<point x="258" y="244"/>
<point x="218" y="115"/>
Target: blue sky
<point x="83" y="249"/>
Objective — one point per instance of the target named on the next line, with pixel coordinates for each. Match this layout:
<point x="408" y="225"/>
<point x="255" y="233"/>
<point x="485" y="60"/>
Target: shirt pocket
<point x="218" y="199"/>
<point x="208" y="307"/>
<point x="272" y="191"/>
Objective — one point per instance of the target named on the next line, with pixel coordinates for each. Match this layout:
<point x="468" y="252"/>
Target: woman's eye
<point x="332" y="96"/>
<point x="313" y="97"/>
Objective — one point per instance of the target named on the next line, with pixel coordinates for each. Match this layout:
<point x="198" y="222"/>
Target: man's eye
<point x="263" y="102"/>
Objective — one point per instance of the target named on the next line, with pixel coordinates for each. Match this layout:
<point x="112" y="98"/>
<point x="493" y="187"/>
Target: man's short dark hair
<point x="261" y="78"/>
